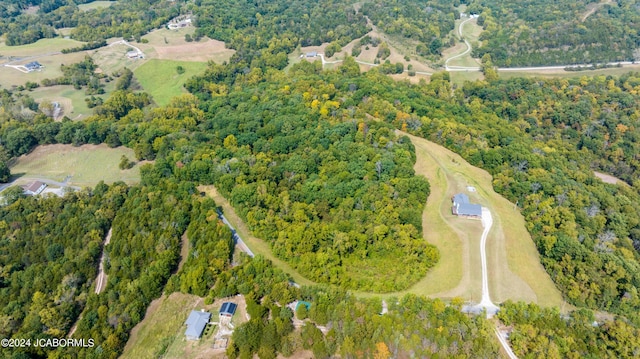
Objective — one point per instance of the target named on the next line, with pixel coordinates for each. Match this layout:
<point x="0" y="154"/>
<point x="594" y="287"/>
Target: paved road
<point x="49" y="182"/>
<point x="446" y="63"/>
<point x="486" y="303"/>
<point x="236" y="237"/>
<point x="505" y="344"/>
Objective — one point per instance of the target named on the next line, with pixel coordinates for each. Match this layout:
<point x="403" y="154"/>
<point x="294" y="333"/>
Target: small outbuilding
<point x="227" y="311"/>
<point x="312" y="54"/>
<point x="196" y="323"/>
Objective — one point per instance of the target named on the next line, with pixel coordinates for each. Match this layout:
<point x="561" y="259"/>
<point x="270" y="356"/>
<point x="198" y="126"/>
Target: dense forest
<point x="528" y="33"/>
<point x="128" y="19"/>
<point x="264" y="33"/>
<point x="311" y="162"/>
<point x="429" y="23"/>
<point x="545" y="333"/>
<point x="49" y="250"/>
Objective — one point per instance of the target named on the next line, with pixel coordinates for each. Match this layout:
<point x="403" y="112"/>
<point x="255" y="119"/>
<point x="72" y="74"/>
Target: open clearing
<point x="87" y="165"/>
<point x="560" y="73"/>
<point x="161" y="332"/>
<point x="168" y="44"/>
<point x="161" y="79"/>
<point x="514" y="266"/>
<point x="95" y="5"/>
<point x="45" y="51"/>
<point x="71" y="100"/>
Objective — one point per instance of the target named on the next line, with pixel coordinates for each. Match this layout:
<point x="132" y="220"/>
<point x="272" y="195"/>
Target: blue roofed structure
<point x="196" y="323"/>
<point x="228" y="309"/>
<point x="463" y="207"/>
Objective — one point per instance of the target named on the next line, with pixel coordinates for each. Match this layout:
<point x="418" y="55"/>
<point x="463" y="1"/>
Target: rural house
<point x="196" y="323"/>
<point x="34" y="188"/>
<point x="462" y="207"/>
<point x="32" y="66"/>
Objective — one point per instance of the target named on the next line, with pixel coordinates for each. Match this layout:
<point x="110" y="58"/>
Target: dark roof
<point x="228" y="308"/>
<point x="196" y="323"/>
<point x="470" y="209"/>
<point x="460" y="198"/>
<point x="34" y="64"/>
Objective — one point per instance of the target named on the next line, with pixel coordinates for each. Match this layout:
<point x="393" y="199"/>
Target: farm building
<point x="32" y="66"/>
<point x="311" y="54"/>
<point x="196" y="323"/>
<point x="464" y="208"/>
<point x="227" y="311"/>
<point x="34" y="188"/>
<point x="133" y="54"/>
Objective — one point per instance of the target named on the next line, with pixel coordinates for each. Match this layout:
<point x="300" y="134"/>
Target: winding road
<point x="468" y="50"/>
<point x="486" y="303"/>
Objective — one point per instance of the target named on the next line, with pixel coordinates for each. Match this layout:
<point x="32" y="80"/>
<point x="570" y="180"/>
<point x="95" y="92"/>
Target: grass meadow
<point x="161" y="79"/>
<point x="87" y="165"/>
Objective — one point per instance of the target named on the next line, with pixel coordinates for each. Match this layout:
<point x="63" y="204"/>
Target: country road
<point x="446" y="63"/>
<point x="236" y="236"/>
<point x="486" y="303"/>
<point x="101" y="280"/>
<point x="515" y="69"/>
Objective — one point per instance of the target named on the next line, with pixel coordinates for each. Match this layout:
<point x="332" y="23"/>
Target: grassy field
<point x="162" y="81"/>
<point x="471" y="32"/>
<point x="87" y="164"/>
<point x="514" y="266"/>
<point x="459" y="77"/>
<point x="168" y="44"/>
<point x="161" y="333"/>
<point x="615" y="71"/>
<point x="114" y="58"/>
<point x="45" y="51"/>
<point x="71" y="100"/>
<point x="95" y="5"/>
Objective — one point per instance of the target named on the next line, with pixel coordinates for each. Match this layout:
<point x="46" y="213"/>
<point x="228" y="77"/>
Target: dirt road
<point x="101" y="280"/>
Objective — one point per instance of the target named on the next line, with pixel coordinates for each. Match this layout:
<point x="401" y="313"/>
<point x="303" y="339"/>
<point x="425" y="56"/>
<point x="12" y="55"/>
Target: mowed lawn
<point x="161" y="79"/>
<point x="87" y="165"/>
<point x="95" y="5"/>
<point x="514" y="267"/>
<point x="161" y="333"/>
<point x="161" y="326"/>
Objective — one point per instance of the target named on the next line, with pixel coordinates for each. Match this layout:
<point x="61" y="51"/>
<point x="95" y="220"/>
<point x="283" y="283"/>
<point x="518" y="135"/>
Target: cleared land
<point x="560" y="73"/>
<point x="95" y="5"/>
<point x="514" y="267"/>
<point x="608" y="178"/>
<point x="87" y="165"/>
<point x="71" y="100"/>
<point x="45" y="51"/>
<point x="168" y="44"/>
<point x="161" y="79"/>
<point x="161" y="333"/>
<point x="113" y="58"/>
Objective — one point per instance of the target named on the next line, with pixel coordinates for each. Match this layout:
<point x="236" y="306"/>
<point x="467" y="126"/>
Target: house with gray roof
<point x="462" y="207"/>
<point x="196" y="323"/>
